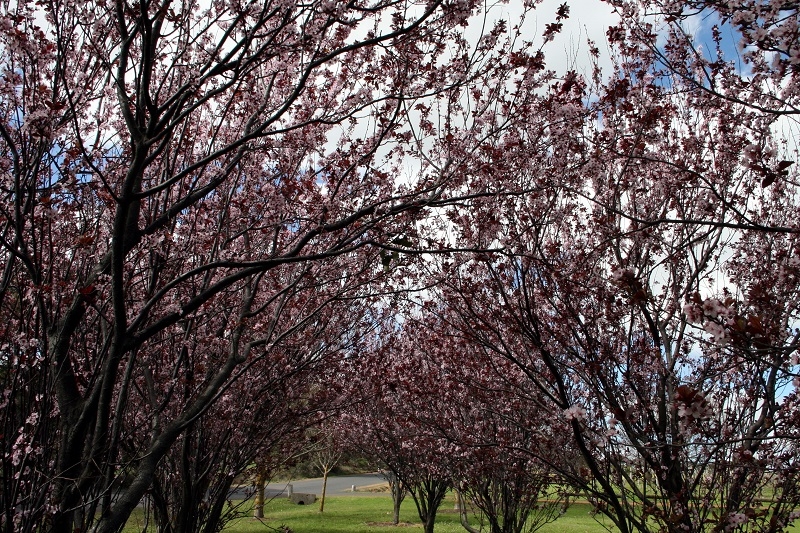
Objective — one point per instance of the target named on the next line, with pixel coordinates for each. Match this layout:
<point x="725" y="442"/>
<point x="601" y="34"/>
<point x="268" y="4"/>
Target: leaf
<point x="87" y="290"/>
<point x="783" y="165"/>
<point x="754" y="325"/>
<point x="685" y="393"/>
<point x="403" y="241"/>
<point x="769" y="179"/>
<point x="55" y="106"/>
<point x="639" y="296"/>
<point x="387" y="258"/>
<point x="88" y="293"/>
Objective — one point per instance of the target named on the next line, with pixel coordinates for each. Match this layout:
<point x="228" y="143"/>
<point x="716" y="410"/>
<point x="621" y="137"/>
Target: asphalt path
<point x="337" y="486"/>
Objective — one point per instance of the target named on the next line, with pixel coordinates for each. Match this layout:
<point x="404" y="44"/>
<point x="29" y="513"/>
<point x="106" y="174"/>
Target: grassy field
<point x="372" y="514"/>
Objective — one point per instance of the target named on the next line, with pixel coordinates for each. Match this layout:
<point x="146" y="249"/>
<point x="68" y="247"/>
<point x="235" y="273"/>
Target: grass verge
<point x="371" y="514"/>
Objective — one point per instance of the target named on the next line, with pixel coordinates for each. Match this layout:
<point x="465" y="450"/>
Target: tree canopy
<point x="224" y="221"/>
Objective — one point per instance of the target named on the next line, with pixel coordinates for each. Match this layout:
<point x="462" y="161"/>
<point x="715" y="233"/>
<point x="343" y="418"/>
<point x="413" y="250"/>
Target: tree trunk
<point x="396" y="501"/>
<point x="429" y="523"/>
<point x="258" y="505"/>
<point x="398" y="491"/>
<point x="324" y="488"/>
<point x="462" y="513"/>
<point x="428" y="495"/>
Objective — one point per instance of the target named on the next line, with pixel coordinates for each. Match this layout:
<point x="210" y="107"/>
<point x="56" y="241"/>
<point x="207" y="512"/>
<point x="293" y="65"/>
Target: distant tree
<point x="395" y="390"/>
<point x="326" y="450"/>
<point x="497" y="428"/>
<point x="441" y="413"/>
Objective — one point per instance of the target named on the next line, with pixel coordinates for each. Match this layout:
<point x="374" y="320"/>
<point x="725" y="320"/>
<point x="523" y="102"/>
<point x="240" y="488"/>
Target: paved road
<point x="337" y="486"/>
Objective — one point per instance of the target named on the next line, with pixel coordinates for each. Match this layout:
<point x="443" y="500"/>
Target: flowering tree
<point x="439" y="411"/>
<point x="259" y="419"/>
<point x="632" y="291"/>
<point x="695" y="39"/>
<point x="178" y="176"/>
<point x="395" y="390"/>
<point x="702" y="437"/>
<point x="498" y="428"/>
<point x="187" y="187"/>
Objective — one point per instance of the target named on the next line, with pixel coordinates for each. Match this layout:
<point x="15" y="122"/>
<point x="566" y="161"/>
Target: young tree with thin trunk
<point x="326" y="452"/>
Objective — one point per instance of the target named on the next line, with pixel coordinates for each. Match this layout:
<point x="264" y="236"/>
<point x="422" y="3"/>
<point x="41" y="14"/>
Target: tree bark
<point x="324" y="489"/>
<point x="462" y="513"/>
<point x="258" y="505"/>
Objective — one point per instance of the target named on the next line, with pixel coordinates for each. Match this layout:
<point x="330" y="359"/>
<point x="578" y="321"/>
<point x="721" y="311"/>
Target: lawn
<point x="371" y="514"/>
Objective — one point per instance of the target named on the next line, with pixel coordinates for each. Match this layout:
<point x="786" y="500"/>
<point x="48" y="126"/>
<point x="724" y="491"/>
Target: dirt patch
<point x="377" y="487"/>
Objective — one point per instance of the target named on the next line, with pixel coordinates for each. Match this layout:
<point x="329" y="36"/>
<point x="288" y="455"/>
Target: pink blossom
<point x="575" y="412"/>
<point x="717" y="331"/>
<point x="735" y="520"/>
<point x="693" y="313"/>
<point x="713" y="308"/>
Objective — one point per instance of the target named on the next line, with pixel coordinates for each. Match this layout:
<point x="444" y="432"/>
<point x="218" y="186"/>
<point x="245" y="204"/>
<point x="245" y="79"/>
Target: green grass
<point x="372" y="514"/>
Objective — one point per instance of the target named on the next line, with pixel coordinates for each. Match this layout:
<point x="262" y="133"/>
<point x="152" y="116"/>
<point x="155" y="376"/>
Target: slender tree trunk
<point x="462" y="513"/>
<point x="398" y="495"/>
<point x="324" y="488"/>
<point x="396" y="501"/>
<point x="261" y="483"/>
